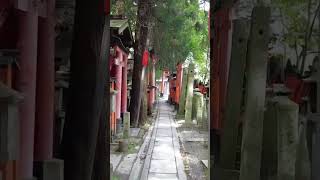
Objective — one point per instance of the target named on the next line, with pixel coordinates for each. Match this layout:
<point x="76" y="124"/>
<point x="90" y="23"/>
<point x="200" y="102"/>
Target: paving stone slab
<point x="164" y="139"/>
<point x="115" y="160"/>
<point x="156" y="176"/>
<point x="134" y="132"/>
<point x="164" y="132"/>
<point x="163" y="166"/>
<point x="126" y="165"/>
<point x="164" y="125"/>
<point x="163" y="151"/>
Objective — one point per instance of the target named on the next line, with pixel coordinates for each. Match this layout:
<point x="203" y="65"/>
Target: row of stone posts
<point x="274" y="139"/>
<point x="192" y="103"/>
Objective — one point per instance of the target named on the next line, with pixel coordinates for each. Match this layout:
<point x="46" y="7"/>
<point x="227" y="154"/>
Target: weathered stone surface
<point x="287" y="117"/>
<point x="126" y="165"/>
<point x="164" y="132"/>
<point x="49" y="169"/>
<point x="154" y="176"/>
<point x="115" y="160"/>
<point x="189" y="95"/>
<point x="182" y="100"/>
<point x="126" y="124"/>
<point x="163" y="151"/>
<point x="316" y="148"/>
<point x="269" y="159"/>
<point x="234" y="94"/>
<point x="197" y="107"/>
<point x="255" y="94"/>
<point x="302" y="163"/>
<point x="134" y="132"/>
<point x="163" y="166"/>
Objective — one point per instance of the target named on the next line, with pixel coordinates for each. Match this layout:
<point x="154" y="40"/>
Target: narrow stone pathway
<point x="164" y="160"/>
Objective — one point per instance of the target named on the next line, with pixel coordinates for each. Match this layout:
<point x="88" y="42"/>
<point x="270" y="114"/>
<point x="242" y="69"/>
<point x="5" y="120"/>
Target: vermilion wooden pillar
<point x="45" y="87"/>
<point x="162" y="83"/>
<point x="178" y="82"/>
<point x="119" y="81"/>
<point x="124" y="88"/>
<point x="220" y="65"/>
<point x="26" y="84"/>
<point x="153" y="83"/>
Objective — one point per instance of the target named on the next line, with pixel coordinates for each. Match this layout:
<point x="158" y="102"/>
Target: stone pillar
<point x="198" y="104"/>
<point x="287" y="114"/>
<point x="205" y="117"/>
<point x="26" y="84"/>
<point x="45" y="86"/>
<point x="182" y="100"/>
<point x="126" y="125"/>
<point x="124" y="88"/>
<point x="255" y="94"/>
<point x="232" y="112"/>
<point x="315" y="173"/>
<point x="189" y="95"/>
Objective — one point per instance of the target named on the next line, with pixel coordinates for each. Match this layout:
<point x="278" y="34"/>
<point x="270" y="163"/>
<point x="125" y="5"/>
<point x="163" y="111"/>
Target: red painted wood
<point x="124" y="96"/>
<point x="43" y="147"/>
<point x="145" y="58"/>
<point x="118" y="71"/>
<point x="220" y="59"/>
<point x="26" y="84"/>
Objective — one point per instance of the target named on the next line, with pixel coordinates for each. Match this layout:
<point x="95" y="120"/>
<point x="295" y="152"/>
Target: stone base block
<point x="49" y="169"/>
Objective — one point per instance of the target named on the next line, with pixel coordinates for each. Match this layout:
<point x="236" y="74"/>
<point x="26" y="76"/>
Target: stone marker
<point x="269" y="159"/>
<point x="255" y="94"/>
<point x="287" y="117"/>
<point x="315" y="173"/>
<point x="229" y="136"/>
<point x="189" y="95"/>
<point x="198" y="106"/>
<point x="205" y="120"/>
<point x="182" y="100"/>
<point x="302" y="163"/>
<point x="126" y="125"/>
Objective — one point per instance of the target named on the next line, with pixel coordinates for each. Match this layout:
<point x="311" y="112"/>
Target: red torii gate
<point x="220" y="37"/>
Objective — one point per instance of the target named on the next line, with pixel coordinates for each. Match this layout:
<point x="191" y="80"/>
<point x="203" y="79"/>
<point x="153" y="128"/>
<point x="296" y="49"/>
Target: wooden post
<point x="26" y="84"/>
<point x="229" y="135"/>
<point x="119" y="82"/>
<point x="126" y="125"/>
<point x="124" y="88"/>
<point x="189" y="95"/>
<point x="182" y="100"/>
<point x="88" y="66"/>
<point x="255" y="94"/>
<point x="44" y="123"/>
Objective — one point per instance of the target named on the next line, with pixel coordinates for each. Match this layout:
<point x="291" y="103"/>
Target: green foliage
<point x="181" y="28"/>
<point x="297" y="18"/>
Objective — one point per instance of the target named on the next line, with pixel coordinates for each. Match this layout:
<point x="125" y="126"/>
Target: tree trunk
<point x="87" y="87"/>
<point x="144" y="7"/>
